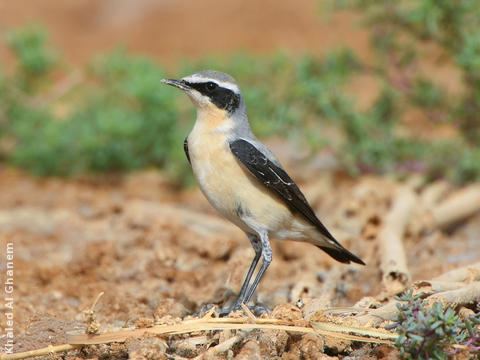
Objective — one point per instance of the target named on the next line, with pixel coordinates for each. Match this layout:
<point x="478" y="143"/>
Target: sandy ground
<point x="155" y="252"/>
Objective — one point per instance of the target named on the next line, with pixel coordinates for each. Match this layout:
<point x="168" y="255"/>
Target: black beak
<point x="177" y="83"/>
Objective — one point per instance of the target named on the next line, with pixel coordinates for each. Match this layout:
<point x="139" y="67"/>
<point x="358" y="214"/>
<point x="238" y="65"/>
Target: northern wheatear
<point x="243" y="180"/>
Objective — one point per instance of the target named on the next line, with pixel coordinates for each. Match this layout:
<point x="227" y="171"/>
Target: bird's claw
<point x="257" y="310"/>
<point x="206" y="308"/>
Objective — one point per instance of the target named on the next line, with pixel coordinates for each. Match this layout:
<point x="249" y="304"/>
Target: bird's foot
<point x="257" y="310"/>
<point x="205" y="309"/>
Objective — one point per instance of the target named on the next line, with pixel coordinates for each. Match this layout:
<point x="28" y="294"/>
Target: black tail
<point x="342" y="255"/>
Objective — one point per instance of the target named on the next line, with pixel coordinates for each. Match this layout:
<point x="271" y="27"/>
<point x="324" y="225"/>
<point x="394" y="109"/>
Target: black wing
<point x="185" y="147"/>
<point x="276" y="179"/>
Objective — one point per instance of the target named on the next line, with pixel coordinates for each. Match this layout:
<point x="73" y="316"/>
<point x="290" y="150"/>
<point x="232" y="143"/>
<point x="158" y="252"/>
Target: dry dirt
<point x="158" y="253"/>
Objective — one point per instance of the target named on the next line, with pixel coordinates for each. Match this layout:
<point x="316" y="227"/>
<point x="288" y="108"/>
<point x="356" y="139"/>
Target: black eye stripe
<point x="222" y="97"/>
<point x="203" y="87"/>
<point x="210" y="86"/>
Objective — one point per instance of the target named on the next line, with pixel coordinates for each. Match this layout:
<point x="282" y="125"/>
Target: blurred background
<point x="378" y="88"/>
<point x="367" y="103"/>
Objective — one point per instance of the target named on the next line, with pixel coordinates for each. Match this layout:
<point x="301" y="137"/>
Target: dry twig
<point x="431" y="194"/>
<point x="435" y="286"/>
<point x="220" y="348"/>
<point x="462" y="204"/>
<point x="465" y="295"/>
<point x="93" y="327"/>
<point x="203" y="324"/>
<point x="466" y="273"/>
<point x="396" y="276"/>
<point x="40" y="352"/>
<point x="250" y="315"/>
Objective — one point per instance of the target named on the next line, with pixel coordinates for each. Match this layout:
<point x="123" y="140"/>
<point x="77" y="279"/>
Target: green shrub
<point x="29" y="45"/>
<point x="117" y="116"/>
<point x="405" y="34"/>
<point x="430" y="332"/>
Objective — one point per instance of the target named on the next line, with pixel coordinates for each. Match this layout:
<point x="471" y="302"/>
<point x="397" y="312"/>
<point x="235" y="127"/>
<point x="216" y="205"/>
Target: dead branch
<point x="382" y="336"/>
<point x="220" y="348"/>
<point x="40" y="352"/>
<point x="396" y="276"/>
<point x="469" y="272"/>
<point x="446" y="288"/>
<point x="434" y="286"/>
<point x="461" y="205"/>
<point x="431" y="194"/>
<point x="375" y="317"/>
<point x="451" y="298"/>
<point x="182" y="328"/>
<point x="329" y="288"/>
<point x="422" y="219"/>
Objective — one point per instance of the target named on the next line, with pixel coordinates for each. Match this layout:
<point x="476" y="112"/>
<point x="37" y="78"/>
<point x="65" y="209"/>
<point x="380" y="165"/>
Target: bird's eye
<point x="211" y="86"/>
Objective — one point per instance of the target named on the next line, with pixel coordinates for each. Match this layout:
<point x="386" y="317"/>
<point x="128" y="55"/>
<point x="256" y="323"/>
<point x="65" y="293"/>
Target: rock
<point x="150" y="348"/>
<point x="110" y="351"/>
<point x="335" y="345"/>
<point x="287" y="312"/>
<point x="169" y="307"/>
<point x="386" y="352"/>
<point x="249" y="351"/>
<point x="144" y="322"/>
<point x="272" y="342"/>
<point x="311" y="347"/>
<point x="312" y="306"/>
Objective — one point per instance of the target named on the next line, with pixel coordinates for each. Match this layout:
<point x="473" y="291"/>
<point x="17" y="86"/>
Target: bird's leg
<point x="262" y="248"/>
<point x="257" y="247"/>
<point x="266" y="260"/>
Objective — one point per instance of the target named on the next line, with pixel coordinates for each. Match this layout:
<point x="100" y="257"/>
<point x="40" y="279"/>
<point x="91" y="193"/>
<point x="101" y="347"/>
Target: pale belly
<point x="233" y="191"/>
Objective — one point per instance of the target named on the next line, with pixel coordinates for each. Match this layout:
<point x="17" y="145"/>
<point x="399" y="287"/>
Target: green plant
<point x="406" y="37"/>
<point x="116" y="116"/>
<point x="430" y="332"/>
<point x="29" y="43"/>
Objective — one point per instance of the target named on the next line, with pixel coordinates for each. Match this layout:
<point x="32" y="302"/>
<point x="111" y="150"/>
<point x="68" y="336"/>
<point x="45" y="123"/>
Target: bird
<point x="243" y="180"/>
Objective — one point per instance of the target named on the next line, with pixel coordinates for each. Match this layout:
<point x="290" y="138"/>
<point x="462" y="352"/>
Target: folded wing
<point x="278" y="181"/>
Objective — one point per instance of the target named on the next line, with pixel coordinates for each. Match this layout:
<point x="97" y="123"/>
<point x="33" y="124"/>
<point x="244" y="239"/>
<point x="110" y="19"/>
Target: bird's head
<point x="212" y="91"/>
